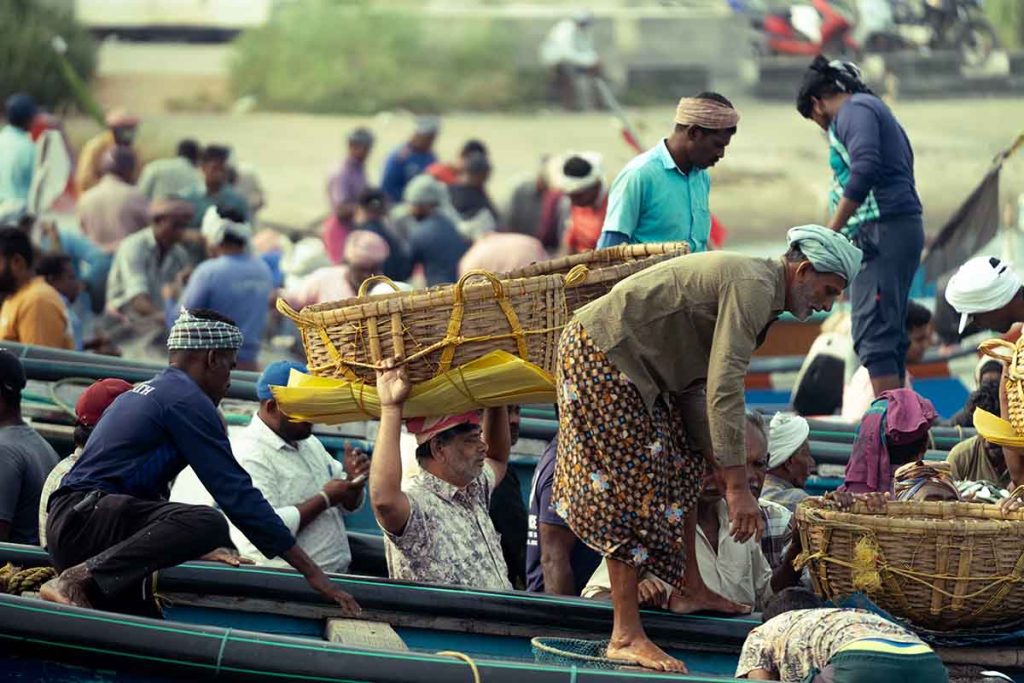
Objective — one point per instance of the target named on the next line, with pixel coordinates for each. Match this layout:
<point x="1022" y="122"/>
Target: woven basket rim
<point x="334" y="312"/>
<point x="935" y="516"/>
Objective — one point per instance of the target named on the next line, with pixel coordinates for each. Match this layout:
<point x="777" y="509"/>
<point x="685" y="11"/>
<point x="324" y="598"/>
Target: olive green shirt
<point x="969" y="461"/>
<point x="688" y="322"/>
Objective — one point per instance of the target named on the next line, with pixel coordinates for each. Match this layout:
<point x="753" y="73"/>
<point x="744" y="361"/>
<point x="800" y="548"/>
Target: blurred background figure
<point x="568" y="51"/>
<point x="122" y="128"/>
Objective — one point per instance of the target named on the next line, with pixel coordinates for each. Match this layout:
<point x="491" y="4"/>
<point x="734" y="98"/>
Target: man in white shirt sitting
<point x="297" y="476"/>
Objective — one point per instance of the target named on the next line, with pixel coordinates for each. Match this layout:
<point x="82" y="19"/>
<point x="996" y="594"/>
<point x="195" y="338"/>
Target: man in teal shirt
<point x="662" y="195"/>
<point x="17" y="152"/>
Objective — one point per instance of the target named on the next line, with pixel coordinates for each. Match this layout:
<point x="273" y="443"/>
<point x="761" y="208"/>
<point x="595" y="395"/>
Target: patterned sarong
<point x="624" y="478"/>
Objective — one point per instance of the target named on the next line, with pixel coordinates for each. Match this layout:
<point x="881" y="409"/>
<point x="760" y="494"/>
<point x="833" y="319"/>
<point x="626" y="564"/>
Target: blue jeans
<point x="879" y="293"/>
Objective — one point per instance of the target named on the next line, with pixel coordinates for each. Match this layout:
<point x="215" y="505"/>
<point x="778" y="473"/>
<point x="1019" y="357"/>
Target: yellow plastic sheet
<point x="497" y="379"/>
<point x="996" y="430"/>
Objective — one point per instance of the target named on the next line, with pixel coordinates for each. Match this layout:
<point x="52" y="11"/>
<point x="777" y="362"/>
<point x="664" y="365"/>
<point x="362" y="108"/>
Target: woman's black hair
<point x="825" y="78"/>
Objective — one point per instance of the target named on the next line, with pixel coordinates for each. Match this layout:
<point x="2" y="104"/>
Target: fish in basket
<point x="940" y="565"/>
<point x="443" y="328"/>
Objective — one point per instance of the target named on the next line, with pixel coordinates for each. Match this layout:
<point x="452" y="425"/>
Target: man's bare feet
<point x="642" y="652"/>
<point x="703" y="599"/>
<point x="68" y="588"/>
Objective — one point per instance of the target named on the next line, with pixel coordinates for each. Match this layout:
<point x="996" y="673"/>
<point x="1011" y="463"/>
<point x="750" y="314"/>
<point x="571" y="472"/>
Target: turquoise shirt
<point x="651" y="200"/>
<point x="227" y="197"/>
<point x="17" y="159"/>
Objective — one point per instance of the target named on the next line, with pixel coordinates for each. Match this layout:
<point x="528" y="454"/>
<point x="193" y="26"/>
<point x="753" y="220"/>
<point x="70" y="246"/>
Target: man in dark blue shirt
<point x="556" y="560"/>
<point x="434" y="241"/>
<point x="110" y="525"/>
<point x="411" y="159"/>
<point x="874" y="202"/>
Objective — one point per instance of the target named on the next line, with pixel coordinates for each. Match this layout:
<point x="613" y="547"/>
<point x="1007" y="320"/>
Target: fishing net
<point x="572" y="652"/>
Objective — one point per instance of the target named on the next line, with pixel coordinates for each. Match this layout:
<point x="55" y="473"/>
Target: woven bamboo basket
<point x="442" y="328"/>
<point x="940" y="565"/>
<point x="600" y="258"/>
<point x="1013" y="356"/>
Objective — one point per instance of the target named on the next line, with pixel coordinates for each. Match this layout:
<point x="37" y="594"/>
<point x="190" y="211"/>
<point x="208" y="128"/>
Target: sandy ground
<point x="775" y="173"/>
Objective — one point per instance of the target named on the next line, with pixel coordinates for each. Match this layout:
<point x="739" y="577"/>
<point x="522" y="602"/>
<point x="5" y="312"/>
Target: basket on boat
<point x="1013" y="356"/>
<point x="442" y="328"/>
<point x="573" y="652"/>
<point x="940" y="565"/>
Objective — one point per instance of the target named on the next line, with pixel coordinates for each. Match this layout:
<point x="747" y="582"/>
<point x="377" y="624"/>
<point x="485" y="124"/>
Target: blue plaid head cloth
<point x="190" y="332"/>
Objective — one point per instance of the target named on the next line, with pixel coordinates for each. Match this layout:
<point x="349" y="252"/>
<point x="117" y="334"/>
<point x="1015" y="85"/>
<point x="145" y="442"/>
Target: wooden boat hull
<point x="260" y="624"/>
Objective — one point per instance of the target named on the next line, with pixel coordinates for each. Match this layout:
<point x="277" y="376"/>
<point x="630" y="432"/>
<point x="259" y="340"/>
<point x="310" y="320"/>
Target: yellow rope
<point x="467" y="659"/>
<point x="921" y="577"/>
<point x="16" y="581"/>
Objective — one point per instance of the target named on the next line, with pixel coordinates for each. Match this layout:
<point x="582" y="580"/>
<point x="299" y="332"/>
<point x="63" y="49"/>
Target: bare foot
<point x="704" y="600"/>
<point x="643" y="652"/>
<point x="68" y="588"/>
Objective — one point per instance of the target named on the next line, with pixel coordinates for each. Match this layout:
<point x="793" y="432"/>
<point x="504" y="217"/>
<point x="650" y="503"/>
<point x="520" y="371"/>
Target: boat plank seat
<point x="375" y="635"/>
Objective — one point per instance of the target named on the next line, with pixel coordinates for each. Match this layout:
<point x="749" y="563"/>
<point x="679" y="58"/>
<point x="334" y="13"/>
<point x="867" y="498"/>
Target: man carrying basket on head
<point x="637" y="428"/>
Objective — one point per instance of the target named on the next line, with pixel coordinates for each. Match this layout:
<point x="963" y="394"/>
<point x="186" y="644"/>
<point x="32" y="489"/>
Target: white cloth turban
<point x="215" y="228"/>
<point x="981" y="285"/>
<point x="786" y="434"/>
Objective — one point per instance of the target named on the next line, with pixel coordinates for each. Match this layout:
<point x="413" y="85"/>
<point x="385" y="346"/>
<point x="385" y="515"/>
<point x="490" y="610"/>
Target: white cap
<point x="981" y="285"/>
<point x="786" y="434"/>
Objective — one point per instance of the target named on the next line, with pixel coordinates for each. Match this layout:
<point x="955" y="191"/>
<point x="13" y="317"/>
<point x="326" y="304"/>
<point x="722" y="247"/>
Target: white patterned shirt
<point x="449" y="538"/>
<point x="288" y="475"/>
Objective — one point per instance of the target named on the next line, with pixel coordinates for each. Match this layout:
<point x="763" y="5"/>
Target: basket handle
<point x="577" y="275"/>
<point x="365" y="287"/>
<point x="452" y="334"/>
<point x="287" y="311"/>
<point x="1000" y="349"/>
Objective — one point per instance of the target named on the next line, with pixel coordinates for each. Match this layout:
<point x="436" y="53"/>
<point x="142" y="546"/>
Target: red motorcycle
<point x="807" y="30"/>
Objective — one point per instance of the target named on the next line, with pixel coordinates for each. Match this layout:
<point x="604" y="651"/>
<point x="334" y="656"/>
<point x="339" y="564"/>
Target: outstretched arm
<point x="498" y="440"/>
<point x="390" y="504"/>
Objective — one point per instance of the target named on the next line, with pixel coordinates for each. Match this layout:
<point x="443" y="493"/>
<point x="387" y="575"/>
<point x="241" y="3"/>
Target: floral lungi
<point x="624" y="477"/>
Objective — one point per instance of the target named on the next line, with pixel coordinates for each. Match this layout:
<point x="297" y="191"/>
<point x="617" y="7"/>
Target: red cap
<point x="426" y="428"/>
<point x="97" y="398"/>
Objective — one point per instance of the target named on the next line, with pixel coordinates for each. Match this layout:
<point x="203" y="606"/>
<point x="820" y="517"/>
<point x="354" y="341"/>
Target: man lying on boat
<point x="110" y="525"/>
<point x="438" y="530"/>
<point x="800" y="640"/>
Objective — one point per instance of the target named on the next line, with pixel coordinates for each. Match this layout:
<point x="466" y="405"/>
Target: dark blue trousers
<point x="879" y="293"/>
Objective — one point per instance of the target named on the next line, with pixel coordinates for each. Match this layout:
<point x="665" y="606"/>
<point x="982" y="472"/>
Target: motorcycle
<point x="938" y="25"/>
<point x="800" y="29"/>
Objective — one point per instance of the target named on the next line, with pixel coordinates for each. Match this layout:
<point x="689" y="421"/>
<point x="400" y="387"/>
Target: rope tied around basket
<point x="453" y="336"/>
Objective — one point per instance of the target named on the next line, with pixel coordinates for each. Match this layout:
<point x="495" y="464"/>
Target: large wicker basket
<point x="1013" y="356"/>
<point x="600" y="258"/>
<point x="940" y="565"/>
<point x="445" y="327"/>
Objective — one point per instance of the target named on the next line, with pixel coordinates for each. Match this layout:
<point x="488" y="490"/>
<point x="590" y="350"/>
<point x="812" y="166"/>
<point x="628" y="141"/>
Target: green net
<point x="572" y="652"/>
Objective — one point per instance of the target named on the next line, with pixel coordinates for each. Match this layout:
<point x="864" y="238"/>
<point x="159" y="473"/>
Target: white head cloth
<point x="786" y="434"/>
<point x="570" y="184"/>
<point x="980" y="286"/>
<point x="215" y="228"/>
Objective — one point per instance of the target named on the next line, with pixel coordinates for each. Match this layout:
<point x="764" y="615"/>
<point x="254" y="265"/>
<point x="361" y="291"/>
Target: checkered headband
<point x="190" y="332"/>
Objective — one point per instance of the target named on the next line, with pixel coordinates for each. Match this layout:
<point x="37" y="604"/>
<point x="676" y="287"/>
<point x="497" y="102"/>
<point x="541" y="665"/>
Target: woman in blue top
<point x="874" y="202"/>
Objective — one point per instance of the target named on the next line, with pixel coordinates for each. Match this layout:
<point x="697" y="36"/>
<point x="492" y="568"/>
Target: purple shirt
<point x="345" y="184"/>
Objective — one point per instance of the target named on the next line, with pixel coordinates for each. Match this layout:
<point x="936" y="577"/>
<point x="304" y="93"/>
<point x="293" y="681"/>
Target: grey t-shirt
<point x="25" y="460"/>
